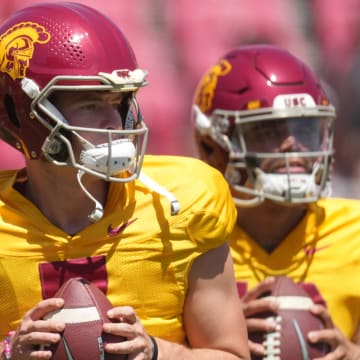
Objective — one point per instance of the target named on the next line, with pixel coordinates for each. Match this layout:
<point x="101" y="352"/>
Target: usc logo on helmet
<point x="205" y="92"/>
<point x="17" y="47"/>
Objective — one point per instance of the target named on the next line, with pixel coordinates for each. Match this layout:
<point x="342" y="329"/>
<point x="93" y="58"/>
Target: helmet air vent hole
<point x="10" y="109"/>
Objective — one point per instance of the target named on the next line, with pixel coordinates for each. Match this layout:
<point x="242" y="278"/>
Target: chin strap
<point x="98" y="211"/>
<point x="151" y="184"/>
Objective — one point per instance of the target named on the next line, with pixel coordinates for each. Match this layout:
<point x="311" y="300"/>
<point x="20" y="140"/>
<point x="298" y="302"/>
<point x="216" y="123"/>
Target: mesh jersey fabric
<point x="138" y="254"/>
<point x="323" y="252"/>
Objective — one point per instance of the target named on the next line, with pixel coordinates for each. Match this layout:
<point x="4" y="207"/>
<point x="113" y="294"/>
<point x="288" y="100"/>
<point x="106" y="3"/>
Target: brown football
<point x="294" y="321"/>
<point x="84" y="313"/>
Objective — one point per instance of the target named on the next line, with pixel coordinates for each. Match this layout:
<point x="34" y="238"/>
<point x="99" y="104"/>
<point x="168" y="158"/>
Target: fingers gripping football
<point x="278" y="320"/>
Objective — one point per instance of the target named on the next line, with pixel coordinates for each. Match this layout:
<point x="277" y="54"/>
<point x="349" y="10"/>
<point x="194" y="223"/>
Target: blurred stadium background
<point x="177" y="40"/>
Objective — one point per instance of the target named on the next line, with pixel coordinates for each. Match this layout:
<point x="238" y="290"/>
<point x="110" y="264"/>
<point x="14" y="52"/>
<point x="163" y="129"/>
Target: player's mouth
<point x="294" y="167"/>
<point x="290" y="169"/>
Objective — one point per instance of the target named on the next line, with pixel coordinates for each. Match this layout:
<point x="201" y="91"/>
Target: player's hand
<point x="138" y="344"/>
<point x="341" y="347"/>
<point x="34" y="333"/>
<point x="254" y="306"/>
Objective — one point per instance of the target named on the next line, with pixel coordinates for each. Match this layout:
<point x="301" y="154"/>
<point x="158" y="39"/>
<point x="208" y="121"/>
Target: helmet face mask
<point x="69" y="48"/>
<point x="103" y="152"/>
<point x="278" y="136"/>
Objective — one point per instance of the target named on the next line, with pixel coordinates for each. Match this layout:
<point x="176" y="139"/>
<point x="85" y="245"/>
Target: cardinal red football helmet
<point x="263" y="119"/>
<point x="54" y="47"/>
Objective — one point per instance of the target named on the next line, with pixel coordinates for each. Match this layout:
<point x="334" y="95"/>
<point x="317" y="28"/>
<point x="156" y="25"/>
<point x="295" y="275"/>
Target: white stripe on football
<point x="76" y="315"/>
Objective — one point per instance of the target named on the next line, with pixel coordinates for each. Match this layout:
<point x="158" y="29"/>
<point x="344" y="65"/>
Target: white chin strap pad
<point x="284" y="185"/>
<point x="117" y="159"/>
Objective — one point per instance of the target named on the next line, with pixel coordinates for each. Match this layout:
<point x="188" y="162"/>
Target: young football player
<point x="263" y="119"/>
<point x="150" y="231"/>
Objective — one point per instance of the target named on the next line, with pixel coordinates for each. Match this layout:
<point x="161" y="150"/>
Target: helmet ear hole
<point x="125" y="111"/>
<point x="211" y="152"/>
<point x="206" y="147"/>
<point x="62" y="153"/>
<point x="11" y="110"/>
<point x="57" y="149"/>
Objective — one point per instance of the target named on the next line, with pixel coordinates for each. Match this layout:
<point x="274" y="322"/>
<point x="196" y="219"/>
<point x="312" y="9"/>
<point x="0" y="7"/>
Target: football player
<point x="263" y="119"/>
<point x="143" y="228"/>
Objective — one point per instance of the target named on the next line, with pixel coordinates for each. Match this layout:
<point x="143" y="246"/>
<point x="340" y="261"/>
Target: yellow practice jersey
<point x="138" y="254"/>
<point x="322" y="253"/>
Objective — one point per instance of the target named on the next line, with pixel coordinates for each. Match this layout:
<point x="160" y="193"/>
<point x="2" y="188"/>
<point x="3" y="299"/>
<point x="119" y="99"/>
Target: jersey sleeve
<point x="212" y="214"/>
